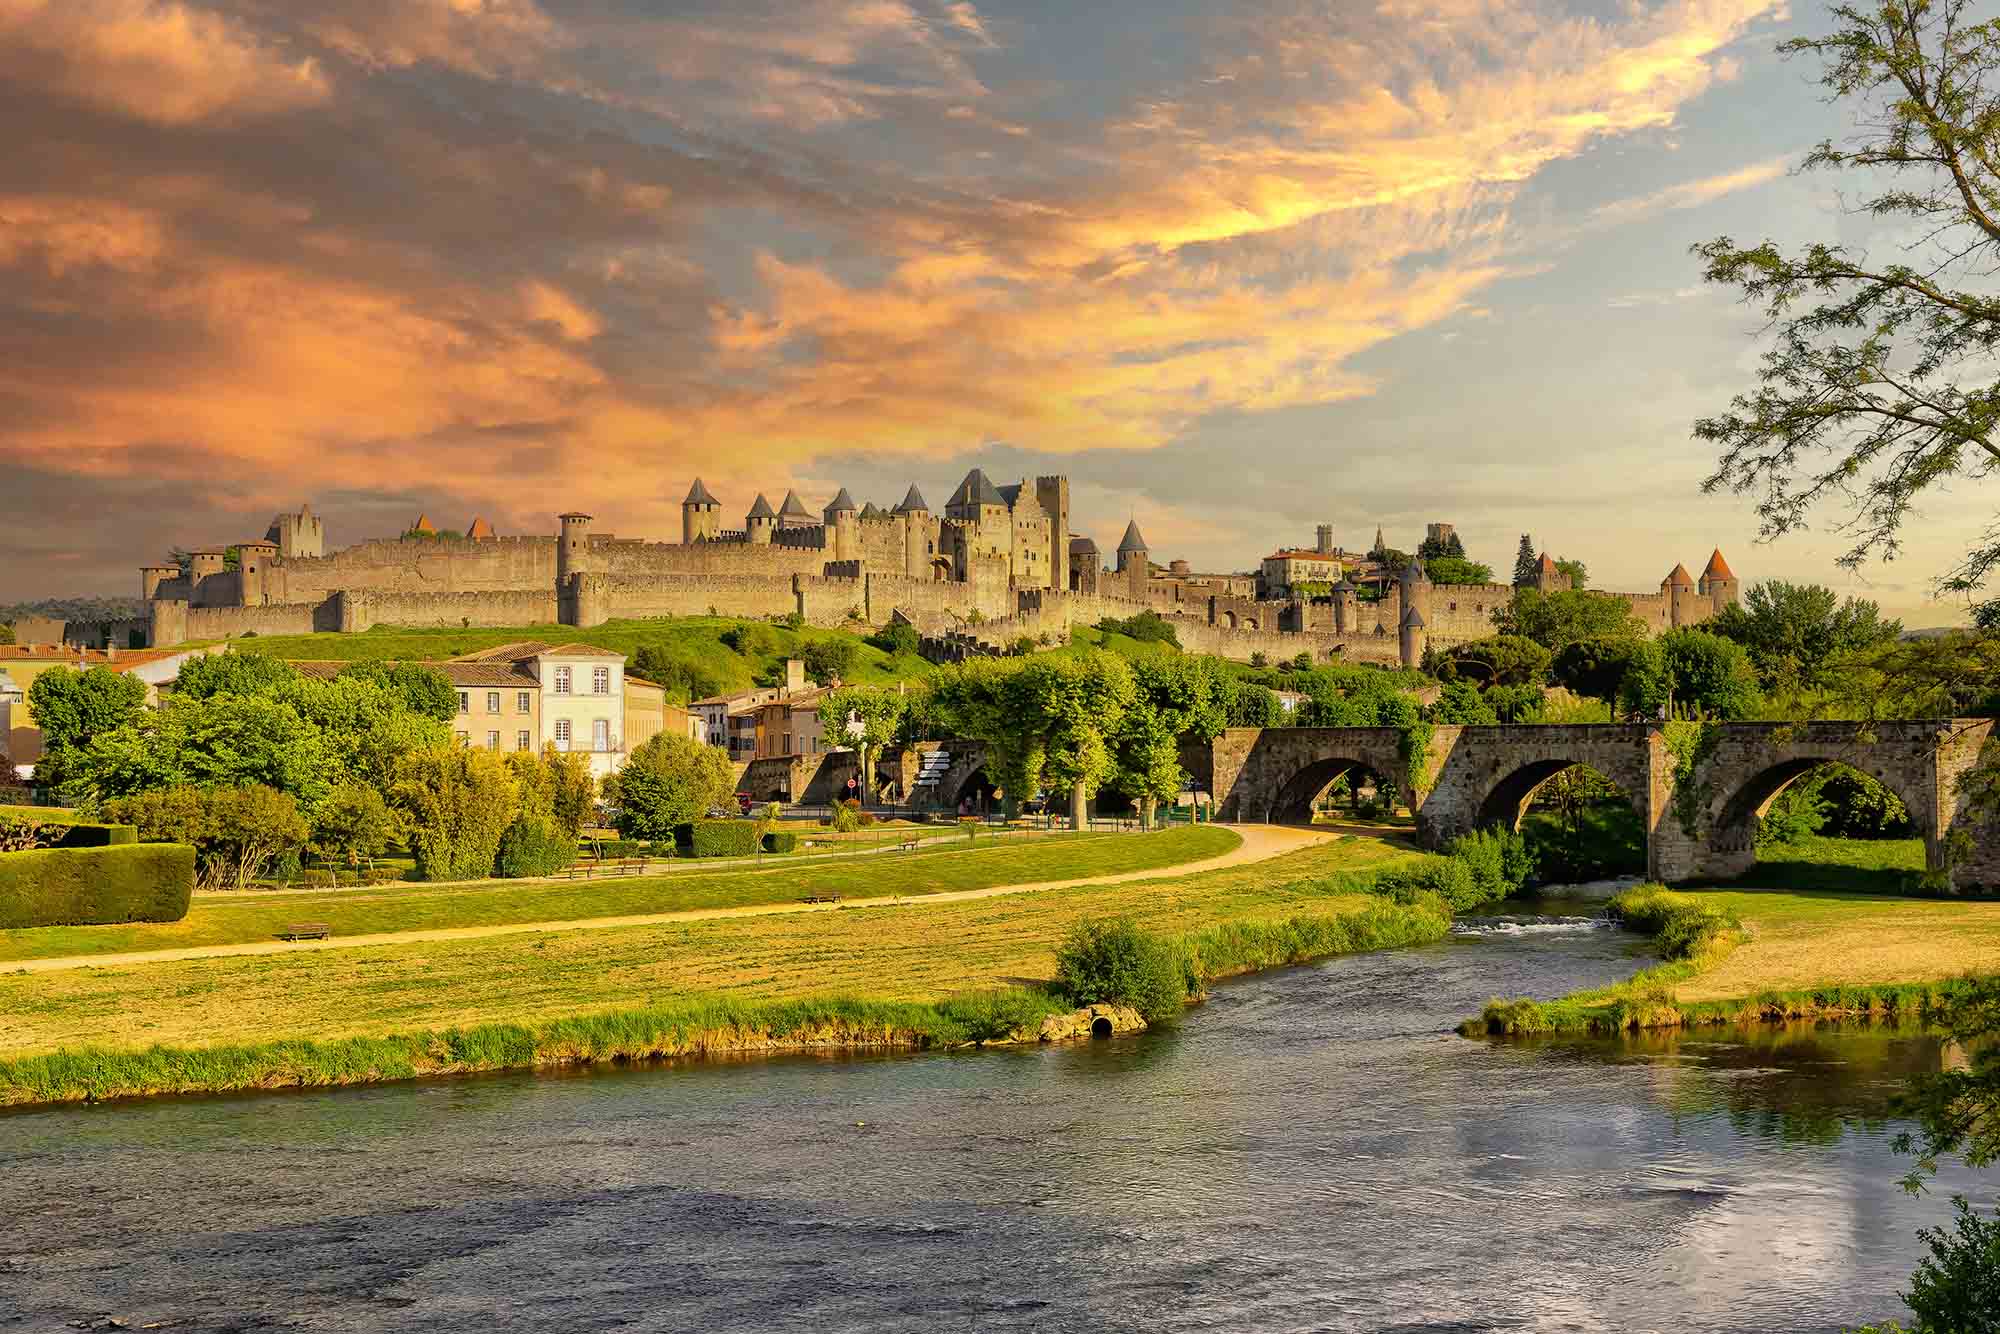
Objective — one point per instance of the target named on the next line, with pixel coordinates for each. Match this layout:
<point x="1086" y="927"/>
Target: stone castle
<point x="999" y="563"/>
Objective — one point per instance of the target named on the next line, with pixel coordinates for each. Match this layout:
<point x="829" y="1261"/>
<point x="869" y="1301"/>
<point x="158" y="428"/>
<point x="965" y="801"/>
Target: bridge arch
<point x="1746" y="795"/>
<point x="1295" y="799"/>
<point x="1506" y="803"/>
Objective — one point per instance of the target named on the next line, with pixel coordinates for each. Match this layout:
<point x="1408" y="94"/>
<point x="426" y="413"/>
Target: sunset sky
<point x="1235" y="269"/>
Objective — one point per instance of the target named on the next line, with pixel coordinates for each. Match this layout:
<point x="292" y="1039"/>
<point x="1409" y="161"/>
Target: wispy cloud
<point x="1689" y="194"/>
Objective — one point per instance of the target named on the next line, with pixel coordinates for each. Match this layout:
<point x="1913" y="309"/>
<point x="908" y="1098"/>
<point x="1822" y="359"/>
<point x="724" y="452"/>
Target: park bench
<point x="306" y="931"/>
<point x="820" y="898"/>
<point x="910" y="843"/>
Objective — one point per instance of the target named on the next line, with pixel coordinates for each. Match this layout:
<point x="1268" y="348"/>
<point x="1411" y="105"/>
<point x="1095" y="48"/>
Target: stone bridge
<point x="1702" y="826"/>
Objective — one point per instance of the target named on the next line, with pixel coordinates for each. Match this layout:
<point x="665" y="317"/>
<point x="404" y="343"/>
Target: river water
<point x="1311" y="1150"/>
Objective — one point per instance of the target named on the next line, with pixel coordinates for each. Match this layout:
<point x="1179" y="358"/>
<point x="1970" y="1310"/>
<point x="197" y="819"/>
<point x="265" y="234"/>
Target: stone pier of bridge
<point x="1699" y="806"/>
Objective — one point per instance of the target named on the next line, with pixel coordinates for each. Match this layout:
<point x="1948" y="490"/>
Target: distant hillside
<point x="701" y="654"/>
<point x="75" y="609"/>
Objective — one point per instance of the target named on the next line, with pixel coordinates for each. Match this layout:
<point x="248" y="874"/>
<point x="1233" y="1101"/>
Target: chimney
<point x="795" y="674"/>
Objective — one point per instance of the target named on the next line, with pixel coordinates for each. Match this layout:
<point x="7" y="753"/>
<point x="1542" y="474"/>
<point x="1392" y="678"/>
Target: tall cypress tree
<point x="1524" y="561"/>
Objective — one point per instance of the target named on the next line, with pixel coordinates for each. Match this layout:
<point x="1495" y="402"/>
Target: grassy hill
<point x="694" y="638"/>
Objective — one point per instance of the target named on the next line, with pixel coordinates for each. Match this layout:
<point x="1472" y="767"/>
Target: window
<point x="492" y="741"/>
<point x="464" y="738"/>
<point x="600" y="733"/>
<point x="562" y="680"/>
<point x="523" y="701"/>
<point x="600" y="681"/>
<point x="562" y="734"/>
<point x="465" y="701"/>
<point x="522" y="741"/>
<point x="493" y="701"/>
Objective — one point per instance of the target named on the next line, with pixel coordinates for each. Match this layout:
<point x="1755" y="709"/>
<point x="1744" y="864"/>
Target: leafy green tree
<point x="1445" y="548"/>
<point x="1595" y="666"/>
<point x="456" y="803"/>
<point x="236" y="832"/>
<point x="1457" y="570"/>
<point x="224" y="740"/>
<point x="1524" y="561"/>
<point x="986" y="699"/>
<point x="1174" y="700"/>
<point x="829" y="660"/>
<point x="365" y="721"/>
<point x="1461" y="702"/>
<point x="1080" y="703"/>
<point x="1498" y="660"/>
<point x="864" y="719"/>
<point x="897" y="637"/>
<point x="1148" y="627"/>
<point x="751" y="639"/>
<point x="233" y="673"/>
<point x="1517" y="703"/>
<point x="6" y="633"/>
<point x="354" y="822"/>
<point x="668" y="781"/>
<point x="1691" y="672"/>
<point x="1578" y="572"/>
<point x="1795" y="631"/>
<point x="1555" y="619"/>
<point x="72" y="708"/>
<point x="1247" y="704"/>
<point x="425" y="691"/>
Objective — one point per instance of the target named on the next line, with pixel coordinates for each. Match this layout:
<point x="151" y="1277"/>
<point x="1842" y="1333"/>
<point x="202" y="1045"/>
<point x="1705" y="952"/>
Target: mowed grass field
<point x="912" y="952"/>
<point x="221" y="919"/>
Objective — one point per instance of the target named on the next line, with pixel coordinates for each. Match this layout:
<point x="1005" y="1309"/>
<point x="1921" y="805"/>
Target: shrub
<point x="457" y="802"/>
<point x="780" y="840"/>
<point x="846" y="818"/>
<point x="667" y="782"/>
<point x="353" y="822"/>
<point x="896" y="637"/>
<point x="145" y="882"/>
<point x="717" y="838"/>
<point x="608" y="848"/>
<point x="26" y="835"/>
<point x="829" y="660"/>
<point x="1957" y="1286"/>
<point x="1499" y="861"/>
<point x="1117" y="963"/>
<point x="533" y="845"/>
<point x="236" y="832"/>
<point x="1681" y="927"/>
<point x="1447" y="877"/>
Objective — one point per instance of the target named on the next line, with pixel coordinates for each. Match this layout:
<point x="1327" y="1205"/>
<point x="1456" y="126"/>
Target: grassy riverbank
<point x="930" y="975"/>
<point x="223" y="919"/>
<point x="1775" y="954"/>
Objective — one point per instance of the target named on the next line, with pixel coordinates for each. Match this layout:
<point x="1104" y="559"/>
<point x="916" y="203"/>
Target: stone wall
<point x="826" y="601"/>
<point x="503" y="564"/>
<point x="360" y="610"/>
<point x="696" y="595"/>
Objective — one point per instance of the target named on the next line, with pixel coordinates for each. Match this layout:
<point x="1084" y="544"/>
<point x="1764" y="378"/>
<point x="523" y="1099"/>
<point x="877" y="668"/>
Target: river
<point x="1310" y="1150"/>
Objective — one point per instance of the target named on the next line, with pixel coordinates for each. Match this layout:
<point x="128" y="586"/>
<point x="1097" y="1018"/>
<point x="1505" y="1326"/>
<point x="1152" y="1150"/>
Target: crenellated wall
<point x="357" y="611"/>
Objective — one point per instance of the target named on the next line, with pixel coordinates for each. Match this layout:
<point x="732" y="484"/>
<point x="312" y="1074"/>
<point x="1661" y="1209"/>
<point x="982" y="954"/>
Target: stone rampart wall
<point x="414" y="566"/>
<point x="198" y="623"/>
<point x="355" y="612"/>
<point x="827" y="601"/>
<point x="640" y="560"/>
<point x="697" y="594"/>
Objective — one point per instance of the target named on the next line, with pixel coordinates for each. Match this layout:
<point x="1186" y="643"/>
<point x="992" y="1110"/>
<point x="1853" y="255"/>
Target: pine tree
<point x="1454" y="547"/>
<point x="1524" y="561"/>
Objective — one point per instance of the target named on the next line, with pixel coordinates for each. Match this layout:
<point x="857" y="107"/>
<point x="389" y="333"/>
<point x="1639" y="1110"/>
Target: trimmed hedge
<point x="99" y="835"/>
<point x="717" y="838"/>
<point x="780" y="840"/>
<point x="533" y="846"/>
<point x="619" y="847"/>
<point x="132" y="882"/>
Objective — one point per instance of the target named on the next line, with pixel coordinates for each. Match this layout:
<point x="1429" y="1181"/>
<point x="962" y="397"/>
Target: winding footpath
<point x="1260" y="843"/>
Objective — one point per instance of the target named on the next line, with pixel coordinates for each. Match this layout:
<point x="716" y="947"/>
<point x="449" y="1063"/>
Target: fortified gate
<point x="1699" y="807"/>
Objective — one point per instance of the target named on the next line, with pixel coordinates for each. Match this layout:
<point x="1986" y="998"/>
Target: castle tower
<point x="915" y="513"/>
<point x="1380" y="546"/>
<point x="1718" y="584"/>
<point x="152" y="576"/>
<point x="480" y="531"/>
<point x="1679" y="591"/>
<point x="1346" y="608"/>
<point x="1132" y="562"/>
<point x="793" y="513"/>
<point x="843" y="525"/>
<point x="760" y="522"/>
<point x="1324" y="539"/>
<point x="701" y="515"/>
<point x="1416" y="593"/>
<point x="1053" y="495"/>
<point x="253" y="561"/>
<point x="298" y="534"/>
<point x="1412" y="638"/>
<point x="203" y="563"/>
<point x="1548" y="577"/>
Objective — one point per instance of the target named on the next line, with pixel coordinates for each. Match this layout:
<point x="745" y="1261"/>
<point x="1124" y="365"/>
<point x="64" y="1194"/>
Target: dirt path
<point x="1260" y="842"/>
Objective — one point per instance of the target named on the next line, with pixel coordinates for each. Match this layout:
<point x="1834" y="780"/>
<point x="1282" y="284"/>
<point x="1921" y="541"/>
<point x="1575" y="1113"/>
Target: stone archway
<point x="1734" y="817"/>
<point x="1294" y="800"/>
<point x="1507" y="803"/>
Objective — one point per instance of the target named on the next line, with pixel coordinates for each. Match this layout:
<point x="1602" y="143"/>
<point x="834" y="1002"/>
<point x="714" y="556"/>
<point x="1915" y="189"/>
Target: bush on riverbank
<point x="1956" y="1288"/>
<point x="1116" y="963"/>
<point x="533" y="846"/>
<point x="1681" y="927"/>
<point x="718" y="838"/>
<point x="1478" y="868"/>
<point x="1242" y="947"/>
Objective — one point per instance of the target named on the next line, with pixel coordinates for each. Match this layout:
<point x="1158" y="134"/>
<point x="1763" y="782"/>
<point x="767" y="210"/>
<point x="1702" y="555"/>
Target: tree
<point x="1247" y="704"/>
<point x="668" y="781"/>
<point x="352" y="823"/>
<point x="1457" y="570"/>
<point x="425" y="691"/>
<point x="1444" y="548"/>
<point x="1461" y="702"/>
<point x="236" y="832"/>
<point x="1174" y="700"/>
<point x="1578" y="572"/>
<point x="1596" y="665"/>
<point x="1518" y="703"/>
<point x="897" y="637"/>
<point x="829" y="660"/>
<point x="222" y="741"/>
<point x="985" y="699"/>
<point x="1794" y="631"/>
<point x="1691" y="672"/>
<point x="1524" y="561"/>
<point x="6" y="633"/>
<point x="456" y="803"/>
<point x="1878" y="384"/>
<point x="234" y="674"/>
<point x="71" y="708"/>
<point x="1080" y="703"/>
<point x="1497" y="660"/>
<point x="1554" y="619"/>
<point x="866" y="720"/>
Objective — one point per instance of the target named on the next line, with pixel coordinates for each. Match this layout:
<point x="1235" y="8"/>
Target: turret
<point x="1411" y="638"/>
<point x="253" y="562"/>
<point x="793" y="513"/>
<point x="480" y="531"/>
<point x="1324" y="539"/>
<point x="573" y="547"/>
<point x="701" y="515"/>
<point x="843" y="521"/>
<point x="1718" y="584"/>
<point x="760" y="522"/>
<point x="915" y="512"/>
<point x="1346" y="608"/>
<point x="1133" y="562"/>
<point x="1549" y="577"/>
<point x="205" y="562"/>
<point x="1679" y="591"/>
<point x="152" y="576"/>
<point x="1053" y="495"/>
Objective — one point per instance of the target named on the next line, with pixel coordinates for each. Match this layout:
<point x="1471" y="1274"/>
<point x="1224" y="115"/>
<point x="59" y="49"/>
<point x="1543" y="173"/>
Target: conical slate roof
<point x="1412" y="621"/>
<point x="698" y="495"/>
<point x="480" y="530"/>
<point x="913" y="502"/>
<point x="1545" y="565"/>
<point x="1718" y="568"/>
<point x="871" y="511"/>
<point x="793" y="508"/>
<point x="423" y="525"/>
<point x="1680" y="578"/>
<point x="842" y="503"/>
<point x="1134" y="539"/>
<point x="976" y="490"/>
<point x="1413" y="573"/>
<point x="761" y="508"/>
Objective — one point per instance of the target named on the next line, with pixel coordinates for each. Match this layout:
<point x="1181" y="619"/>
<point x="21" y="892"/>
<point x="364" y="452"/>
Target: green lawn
<point x="1865" y="865"/>
<point x="700" y="636"/>
<point x="231" y="918"/>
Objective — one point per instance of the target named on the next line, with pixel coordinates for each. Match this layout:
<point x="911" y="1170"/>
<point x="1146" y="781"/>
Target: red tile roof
<point x="1718" y="568"/>
<point x="458" y="672"/>
<point x="1680" y="578"/>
